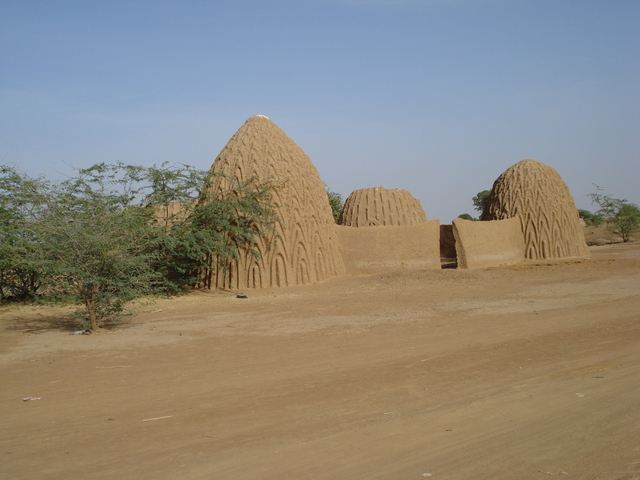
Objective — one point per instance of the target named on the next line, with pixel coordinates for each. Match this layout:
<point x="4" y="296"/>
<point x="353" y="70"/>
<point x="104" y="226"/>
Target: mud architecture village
<point x="530" y="216"/>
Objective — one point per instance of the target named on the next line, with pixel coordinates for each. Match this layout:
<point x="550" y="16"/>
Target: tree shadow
<point x="61" y="322"/>
<point x="39" y="322"/>
<point x="34" y="319"/>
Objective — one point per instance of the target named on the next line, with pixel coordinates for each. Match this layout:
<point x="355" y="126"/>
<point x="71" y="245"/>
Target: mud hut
<point x="378" y="206"/>
<point x="536" y="193"/>
<point x="304" y="247"/>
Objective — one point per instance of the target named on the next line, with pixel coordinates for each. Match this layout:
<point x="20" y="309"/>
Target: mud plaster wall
<point x="370" y="249"/>
<point x="488" y="244"/>
<point x="378" y="206"/>
<point x="549" y="218"/>
<point x="305" y="246"/>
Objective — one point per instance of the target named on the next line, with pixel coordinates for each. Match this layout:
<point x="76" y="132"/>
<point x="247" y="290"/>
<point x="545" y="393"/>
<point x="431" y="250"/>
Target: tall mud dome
<point x="304" y="248"/>
<point x="548" y="214"/>
<point x="374" y="207"/>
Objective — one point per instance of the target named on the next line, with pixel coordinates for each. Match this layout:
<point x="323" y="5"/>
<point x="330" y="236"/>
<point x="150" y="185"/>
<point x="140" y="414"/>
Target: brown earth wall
<point x="488" y="243"/>
<point x="377" y="248"/>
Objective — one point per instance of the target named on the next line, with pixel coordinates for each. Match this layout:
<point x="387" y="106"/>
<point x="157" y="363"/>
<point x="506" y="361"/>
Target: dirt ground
<point x="600" y="235"/>
<point x="507" y="373"/>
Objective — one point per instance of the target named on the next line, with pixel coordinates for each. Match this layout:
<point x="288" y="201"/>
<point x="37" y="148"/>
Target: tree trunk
<point x="92" y="318"/>
<point x="92" y="309"/>
<point x="89" y="297"/>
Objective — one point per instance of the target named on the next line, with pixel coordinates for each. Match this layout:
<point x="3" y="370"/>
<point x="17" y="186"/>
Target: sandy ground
<point x="601" y="235"/>
<point x="508" y="373"/>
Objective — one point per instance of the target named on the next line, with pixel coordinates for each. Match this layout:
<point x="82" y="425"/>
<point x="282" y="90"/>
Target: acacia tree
<point x="621" y="216"/>
<point x="93" y="235"/>
<point x="112" y="233"/>
<point x="22" y="269"/>
<point x="215" y="229"/>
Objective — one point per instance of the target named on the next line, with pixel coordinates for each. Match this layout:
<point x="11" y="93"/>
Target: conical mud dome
<point x="537" y="194"/>
<point x="305" y="246"/>
<point x="369" y="207"/>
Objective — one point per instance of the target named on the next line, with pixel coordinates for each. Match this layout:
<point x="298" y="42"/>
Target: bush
<point x="108" y="235"/>
<point x="590" y="219"/>
<point x="213" y="231"/>
<point x="336" y="203"/>
<point x="22" y="268"/>
<point x="622" y="217"/>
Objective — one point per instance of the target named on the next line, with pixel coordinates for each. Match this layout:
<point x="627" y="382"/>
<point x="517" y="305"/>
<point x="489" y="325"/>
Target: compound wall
<point x="375" y="248"/>
<point x="489" y="243"/>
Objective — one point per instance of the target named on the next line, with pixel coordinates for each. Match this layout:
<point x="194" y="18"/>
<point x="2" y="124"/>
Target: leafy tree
<point x="622" y="217"/>
<point x="213" y="231"/>
<point x="590" y="218"/>
<point x="466" y="216"/>
<point x="113" y="233"/>
<point x="92" y="235"/>
<point x="626" y="222"/>
<point x="336" y="202"/>
<point x="480" y="200"/>
<point x="22" y="270"/>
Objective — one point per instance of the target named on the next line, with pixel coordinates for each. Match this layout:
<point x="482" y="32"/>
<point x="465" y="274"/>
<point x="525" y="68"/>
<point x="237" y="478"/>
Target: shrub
<point x="621" y="216"/>
<point x="107" y="235"/>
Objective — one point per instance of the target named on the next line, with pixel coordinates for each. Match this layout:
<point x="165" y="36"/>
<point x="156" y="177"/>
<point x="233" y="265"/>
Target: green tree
<point x="214" y="230"/>
<point x="22" y="270"/>
<point x="626" y="222"/>
<point x="466" y="216"/>
<point x="94" y="235"/>
<point x="590" y="218"/>
<point x="113" y="233"/>
<point x="621" y="216"/>
<point x="480" y="200"/>
<point x="336" y="202"/>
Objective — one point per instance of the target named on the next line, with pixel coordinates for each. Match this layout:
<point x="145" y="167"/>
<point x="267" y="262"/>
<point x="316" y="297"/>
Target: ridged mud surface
<point x="304" y="248"/>
<point x="537" y="194"/>
<point x="378" y="206"/>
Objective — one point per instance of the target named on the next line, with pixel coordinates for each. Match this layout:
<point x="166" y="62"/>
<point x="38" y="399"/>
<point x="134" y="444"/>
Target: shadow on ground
<point x="38" y="319"/>
<point x="31" y="320"/>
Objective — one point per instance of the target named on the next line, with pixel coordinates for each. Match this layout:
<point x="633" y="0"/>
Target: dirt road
<point x="512" y="373"/>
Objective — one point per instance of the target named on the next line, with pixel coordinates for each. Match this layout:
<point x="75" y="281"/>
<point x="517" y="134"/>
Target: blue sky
<point x="438" y="97"/>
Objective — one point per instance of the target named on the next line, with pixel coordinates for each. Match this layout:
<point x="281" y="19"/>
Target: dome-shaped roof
<point x="379" y="206"/>
<point x="304" y="248"/>
<point x="536" y="193"/>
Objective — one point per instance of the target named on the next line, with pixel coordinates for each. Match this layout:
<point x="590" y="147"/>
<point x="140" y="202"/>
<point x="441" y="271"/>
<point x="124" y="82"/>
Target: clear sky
<point x="438" y="97"/>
